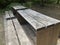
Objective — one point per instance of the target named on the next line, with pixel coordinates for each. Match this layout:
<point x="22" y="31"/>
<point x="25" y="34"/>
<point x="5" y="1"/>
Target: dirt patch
<point x="2" y="37"/>
<point x="50" y="11"/>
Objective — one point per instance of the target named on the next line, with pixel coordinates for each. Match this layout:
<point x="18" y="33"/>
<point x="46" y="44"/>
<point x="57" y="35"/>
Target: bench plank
<point x="38" y="19"/>
<point x="34" y="19"/>
<point x="19" y="7"/>
<point x="11" y="38"/>
<point x="43" y="17"/>
<point x="30" y="20"/>
<point x="10" y="35"/>
<point x="24" y="40"/>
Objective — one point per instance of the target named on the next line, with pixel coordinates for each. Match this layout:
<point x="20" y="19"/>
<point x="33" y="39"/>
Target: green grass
<point x="8" y="7"/>
<point x="12" y="4"/>
<point x="2" y="11"/>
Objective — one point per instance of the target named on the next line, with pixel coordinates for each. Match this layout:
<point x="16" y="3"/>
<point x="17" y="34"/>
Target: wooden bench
<point x="15" y="33"/>
<point x="46" y="28"/>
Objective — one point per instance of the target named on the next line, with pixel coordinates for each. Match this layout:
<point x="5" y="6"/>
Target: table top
<point x="37" y="20"/>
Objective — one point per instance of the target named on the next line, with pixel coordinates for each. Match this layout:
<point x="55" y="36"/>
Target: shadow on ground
<point x="50" y="11"/>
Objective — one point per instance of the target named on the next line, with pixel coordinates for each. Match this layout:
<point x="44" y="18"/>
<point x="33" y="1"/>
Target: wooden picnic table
<point x="46" y="28"/>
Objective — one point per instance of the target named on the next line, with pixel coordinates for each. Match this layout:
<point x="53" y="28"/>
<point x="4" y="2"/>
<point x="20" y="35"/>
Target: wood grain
<point x="24" y="40"/>
<point x="37" y="21"/>
<point x="31" y="20"/>
<point x="10" y="35"/>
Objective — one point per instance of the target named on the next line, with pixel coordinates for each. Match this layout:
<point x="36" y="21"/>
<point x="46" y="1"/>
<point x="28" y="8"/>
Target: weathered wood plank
<point x="43" y="17"/>
<point x="19" y="7"/>
<point x="24" y="40"/>
<point x="10" y="35"/>
<point x="55" y="34"/>
<point x="30" y="20"/>
<point x="38" y="19"/>
<point x="44" y="36"/>
<point x="11" y="38"/>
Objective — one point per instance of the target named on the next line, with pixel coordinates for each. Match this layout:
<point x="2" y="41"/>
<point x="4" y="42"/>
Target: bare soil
<point x="53" y="11"/>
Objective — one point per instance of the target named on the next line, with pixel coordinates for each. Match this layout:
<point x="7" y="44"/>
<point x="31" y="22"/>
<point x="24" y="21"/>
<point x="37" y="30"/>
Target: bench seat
<point x="37" y="20"/>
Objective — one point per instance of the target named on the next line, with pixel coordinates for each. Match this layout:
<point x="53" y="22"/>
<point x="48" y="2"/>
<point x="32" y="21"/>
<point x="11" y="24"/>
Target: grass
<point x="1" y="11"/>
<point x="8" y="8"/>
<point x="12" y="4"/>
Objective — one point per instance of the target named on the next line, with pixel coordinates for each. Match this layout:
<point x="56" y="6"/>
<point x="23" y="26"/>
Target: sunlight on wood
<point x="58" y="43"/>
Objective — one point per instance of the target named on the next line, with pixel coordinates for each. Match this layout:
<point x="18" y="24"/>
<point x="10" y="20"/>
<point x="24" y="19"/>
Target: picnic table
<point x="45" y="28"/>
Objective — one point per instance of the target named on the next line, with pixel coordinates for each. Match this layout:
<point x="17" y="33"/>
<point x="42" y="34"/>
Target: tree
<point x="58" y="1"/>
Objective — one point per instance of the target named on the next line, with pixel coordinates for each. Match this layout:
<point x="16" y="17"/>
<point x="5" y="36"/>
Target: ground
<point x="50" y="11"/>
<point x="2" y="37"/>
<point x="53" y="11"/>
